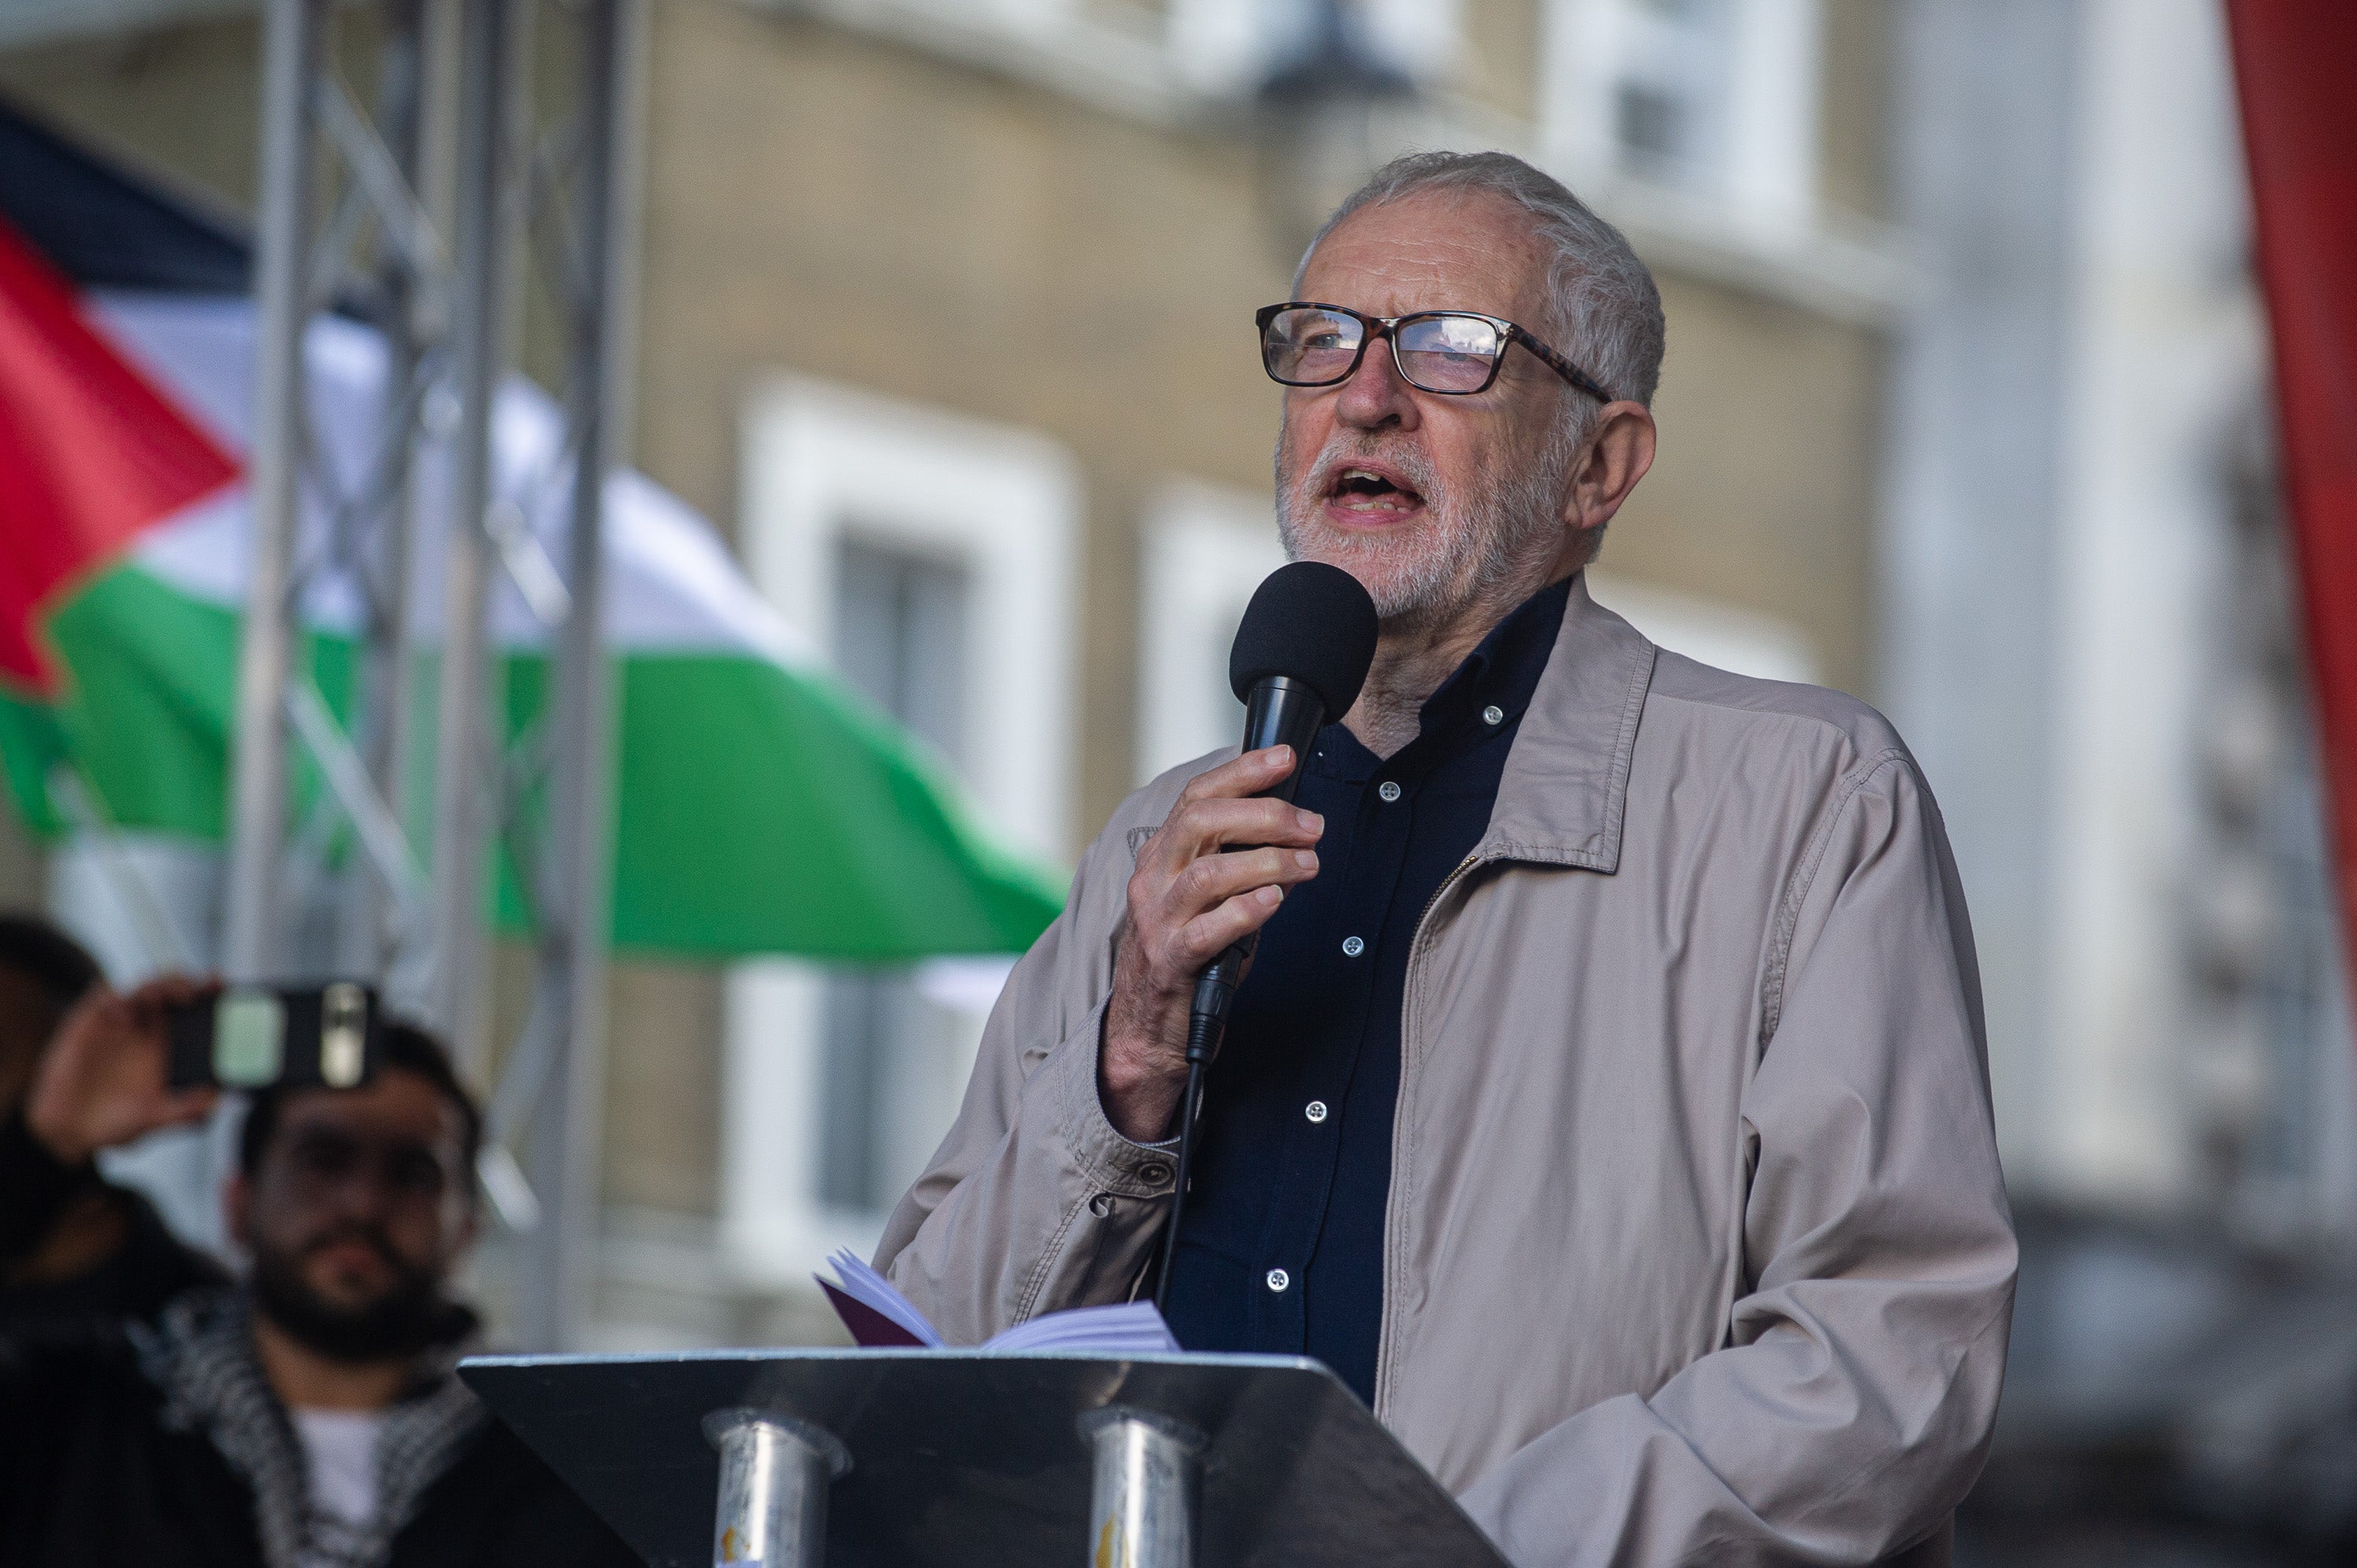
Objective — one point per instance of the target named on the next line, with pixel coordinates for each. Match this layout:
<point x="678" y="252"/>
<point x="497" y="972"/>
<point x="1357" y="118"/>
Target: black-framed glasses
<point x="1453" y="352"/>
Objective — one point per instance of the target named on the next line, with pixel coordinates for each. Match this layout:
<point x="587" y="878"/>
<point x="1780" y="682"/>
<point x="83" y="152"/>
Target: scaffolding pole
<point x="448" y="326"/>
<point x="555" y="1274"/>
<point x="490" y="126"/>
<point x="294" y="43"/>
<point x="378" y="915"/>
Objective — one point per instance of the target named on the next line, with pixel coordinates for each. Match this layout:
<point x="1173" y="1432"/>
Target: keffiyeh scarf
<point x="199" y="1354"/>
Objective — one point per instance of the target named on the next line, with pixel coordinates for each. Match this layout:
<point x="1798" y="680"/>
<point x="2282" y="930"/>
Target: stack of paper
<point x="878" y="1314"/>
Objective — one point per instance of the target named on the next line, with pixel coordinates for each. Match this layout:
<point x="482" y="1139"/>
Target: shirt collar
<point x="1502" y="672"/>
<point x="1504" y="669"/>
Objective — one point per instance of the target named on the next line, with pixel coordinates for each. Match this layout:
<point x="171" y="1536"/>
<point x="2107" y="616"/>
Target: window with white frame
<point x="1205" y="551"/>
<point x="1714" y="98"/>
<point x="932" y="556"/>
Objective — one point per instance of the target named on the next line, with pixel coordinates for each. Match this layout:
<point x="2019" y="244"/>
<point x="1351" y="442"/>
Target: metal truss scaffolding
<point x="355" y="205"/>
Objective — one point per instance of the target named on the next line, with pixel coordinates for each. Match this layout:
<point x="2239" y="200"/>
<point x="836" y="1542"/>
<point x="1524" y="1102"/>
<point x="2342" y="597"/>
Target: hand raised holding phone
<point x="105" y="1080"/>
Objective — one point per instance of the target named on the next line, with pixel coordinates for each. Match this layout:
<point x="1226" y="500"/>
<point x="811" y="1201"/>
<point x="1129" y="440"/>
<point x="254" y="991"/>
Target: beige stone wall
<point x="1855" y="108"/>
<point x="1499" y="65"/>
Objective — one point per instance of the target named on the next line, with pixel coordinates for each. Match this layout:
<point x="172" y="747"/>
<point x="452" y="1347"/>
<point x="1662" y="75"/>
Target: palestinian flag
<point x="760" y="807"/>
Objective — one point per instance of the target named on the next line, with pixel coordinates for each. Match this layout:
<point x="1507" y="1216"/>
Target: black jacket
<point x="147" y="1270"/>
<point x="91" y="1474"/>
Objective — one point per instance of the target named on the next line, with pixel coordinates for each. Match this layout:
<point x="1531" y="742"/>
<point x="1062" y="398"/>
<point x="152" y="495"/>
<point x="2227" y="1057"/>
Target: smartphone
<point x="252" y="1036"/>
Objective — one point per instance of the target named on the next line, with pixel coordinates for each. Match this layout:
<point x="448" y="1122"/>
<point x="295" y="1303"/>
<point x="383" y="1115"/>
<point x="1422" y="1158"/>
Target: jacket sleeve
<point x="1850" y="1408"/>
<point x="38" y="1186"/>
<point x="1034" y="1202"/>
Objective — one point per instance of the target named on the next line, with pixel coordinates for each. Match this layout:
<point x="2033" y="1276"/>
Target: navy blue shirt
<point x="1282" y="1246"/>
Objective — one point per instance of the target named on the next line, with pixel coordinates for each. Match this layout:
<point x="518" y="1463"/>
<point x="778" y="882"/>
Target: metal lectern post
<point x="1144" y="1487"/>
<point x="774" y="1473"/>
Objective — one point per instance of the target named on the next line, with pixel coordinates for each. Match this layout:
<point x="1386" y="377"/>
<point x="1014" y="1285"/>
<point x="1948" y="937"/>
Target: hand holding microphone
<point x="1217" y="868"/>
<point x="1192" y="897"/>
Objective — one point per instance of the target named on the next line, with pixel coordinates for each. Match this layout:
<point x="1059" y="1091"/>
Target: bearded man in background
<point x="306" y="1418"/>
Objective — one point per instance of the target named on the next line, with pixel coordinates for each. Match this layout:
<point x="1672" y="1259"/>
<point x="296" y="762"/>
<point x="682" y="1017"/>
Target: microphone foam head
<point x="1308" y="622"/>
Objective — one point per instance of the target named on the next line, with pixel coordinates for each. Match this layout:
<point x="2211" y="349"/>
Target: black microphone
<point x="1300" y="656"/>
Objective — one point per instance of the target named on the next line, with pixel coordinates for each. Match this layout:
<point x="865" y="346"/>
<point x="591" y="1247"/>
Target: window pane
<point x="1650" y="125"/>
<point x="900" y="642"/>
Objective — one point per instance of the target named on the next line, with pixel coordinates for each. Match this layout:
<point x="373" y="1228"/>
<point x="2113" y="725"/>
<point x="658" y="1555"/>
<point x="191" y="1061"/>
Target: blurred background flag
<point x="760" y="806"/>
<point x="2294" y="60"/>
<point x="91" y="453"/>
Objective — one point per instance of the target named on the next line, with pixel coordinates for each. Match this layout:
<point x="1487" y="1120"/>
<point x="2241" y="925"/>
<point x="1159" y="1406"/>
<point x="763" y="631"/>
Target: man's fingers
<point x="1209" y="934"/>
<point x="1207" y="826"/>
<point x="1207" y="883"/>
<point x="1239" y="776"/>
<point x="149" y="1002"/>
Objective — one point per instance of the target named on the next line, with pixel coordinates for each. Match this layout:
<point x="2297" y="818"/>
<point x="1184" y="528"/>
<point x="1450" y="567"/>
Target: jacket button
<point x="1278" y="1279"/>
<point x="1388" y="789"/>
<point x="1315" y="1110"/>
<point x="1154" y="1175"/>
<point x="1352" y="947"/>
<point x="1493" y="715"/>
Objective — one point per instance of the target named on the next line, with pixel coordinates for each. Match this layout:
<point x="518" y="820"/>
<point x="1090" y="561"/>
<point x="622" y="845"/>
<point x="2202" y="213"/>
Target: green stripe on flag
<point x="853" y="850"/>
<point x="148" y="674"/>
<point x="759" y="809"/>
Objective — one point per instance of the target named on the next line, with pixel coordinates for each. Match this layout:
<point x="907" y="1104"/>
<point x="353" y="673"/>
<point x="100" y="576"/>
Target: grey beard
<point x="1485" y="540"/>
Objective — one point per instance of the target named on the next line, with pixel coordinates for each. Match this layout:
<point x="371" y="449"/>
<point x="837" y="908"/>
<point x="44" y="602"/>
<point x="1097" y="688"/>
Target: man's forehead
<point x="1430" y="251"/>
<point x="393" y="1104"/>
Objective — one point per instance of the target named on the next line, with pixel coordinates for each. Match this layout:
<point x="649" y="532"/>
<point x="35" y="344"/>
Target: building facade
<point x="943" y="318"/>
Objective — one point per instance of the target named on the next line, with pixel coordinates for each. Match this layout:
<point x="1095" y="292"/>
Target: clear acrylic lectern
<point x="933" y="1458"/>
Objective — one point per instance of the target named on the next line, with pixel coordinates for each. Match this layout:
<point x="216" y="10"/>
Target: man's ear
<point x="1618" y="453"/>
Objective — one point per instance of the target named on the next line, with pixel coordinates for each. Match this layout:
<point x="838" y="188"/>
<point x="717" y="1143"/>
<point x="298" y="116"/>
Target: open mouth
<point x="1369" y="493"/>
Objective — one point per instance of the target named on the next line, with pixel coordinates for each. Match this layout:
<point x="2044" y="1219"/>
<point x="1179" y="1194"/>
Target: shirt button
<point x="1315" y="1110"/>
<point x="1390" y="790"/>
<point x="1493" y="715"/>
<point x="1352" y="947"/>
<point x="1278" y="1279"/>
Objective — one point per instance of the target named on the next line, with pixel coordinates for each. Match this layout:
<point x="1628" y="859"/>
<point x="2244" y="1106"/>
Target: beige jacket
<point x="1697" y="1250"/>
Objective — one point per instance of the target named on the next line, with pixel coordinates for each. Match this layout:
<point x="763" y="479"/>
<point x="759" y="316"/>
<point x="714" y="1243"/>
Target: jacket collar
<point x="1565" y="784"/>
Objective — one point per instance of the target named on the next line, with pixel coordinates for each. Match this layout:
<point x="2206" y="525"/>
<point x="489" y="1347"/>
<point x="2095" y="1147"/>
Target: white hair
<point x="1606" y="314"/>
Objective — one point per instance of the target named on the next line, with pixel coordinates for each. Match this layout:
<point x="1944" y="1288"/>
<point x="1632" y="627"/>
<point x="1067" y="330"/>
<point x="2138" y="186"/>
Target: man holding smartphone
<point x="307" y="1417"/>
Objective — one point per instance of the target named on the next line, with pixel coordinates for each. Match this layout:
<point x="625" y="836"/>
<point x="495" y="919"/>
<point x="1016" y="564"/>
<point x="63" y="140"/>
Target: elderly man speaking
<point x="1608" y="1102"/>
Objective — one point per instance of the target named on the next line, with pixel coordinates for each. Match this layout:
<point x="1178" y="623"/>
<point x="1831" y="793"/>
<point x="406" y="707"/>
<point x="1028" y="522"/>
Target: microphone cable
<point x="1207" y="1021"/>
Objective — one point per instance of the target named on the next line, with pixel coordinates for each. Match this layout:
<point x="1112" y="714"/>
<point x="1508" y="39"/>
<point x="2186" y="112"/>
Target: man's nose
<point x="1375" y="396"/>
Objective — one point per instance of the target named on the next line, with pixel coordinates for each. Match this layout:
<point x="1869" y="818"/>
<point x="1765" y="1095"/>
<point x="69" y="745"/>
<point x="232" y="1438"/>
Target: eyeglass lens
<point x="1439" y="353"/>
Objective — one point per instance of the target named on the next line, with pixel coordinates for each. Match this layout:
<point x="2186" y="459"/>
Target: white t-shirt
<point x="342" y="1447"/>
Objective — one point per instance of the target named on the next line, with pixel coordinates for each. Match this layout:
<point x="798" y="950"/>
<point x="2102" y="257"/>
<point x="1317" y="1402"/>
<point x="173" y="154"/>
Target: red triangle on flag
<point x="92" y="453"/>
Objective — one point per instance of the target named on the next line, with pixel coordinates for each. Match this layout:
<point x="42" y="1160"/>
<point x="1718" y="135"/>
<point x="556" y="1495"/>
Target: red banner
<point x="2296" y="65"/>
